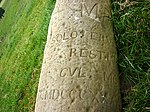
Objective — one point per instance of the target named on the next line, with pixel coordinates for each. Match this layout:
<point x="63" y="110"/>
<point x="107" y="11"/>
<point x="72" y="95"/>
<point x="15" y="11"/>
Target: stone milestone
<point x="79" y="71"/>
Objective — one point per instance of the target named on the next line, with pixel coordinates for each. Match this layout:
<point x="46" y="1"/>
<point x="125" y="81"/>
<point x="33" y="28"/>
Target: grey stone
<point x="79" y="71"/>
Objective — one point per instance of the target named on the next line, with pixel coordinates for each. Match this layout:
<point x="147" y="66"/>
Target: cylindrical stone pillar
<point x="79" y="71"/>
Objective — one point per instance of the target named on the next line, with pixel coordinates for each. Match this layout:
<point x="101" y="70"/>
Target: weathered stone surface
<point x="79" y="71"/>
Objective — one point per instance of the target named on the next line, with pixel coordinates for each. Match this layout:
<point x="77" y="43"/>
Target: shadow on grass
<point x="2" y="11"/>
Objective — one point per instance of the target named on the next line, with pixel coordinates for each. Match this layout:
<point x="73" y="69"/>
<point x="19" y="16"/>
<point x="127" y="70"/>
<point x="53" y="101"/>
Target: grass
<point x="132" y="33"/>
<point x="23" y="33"/>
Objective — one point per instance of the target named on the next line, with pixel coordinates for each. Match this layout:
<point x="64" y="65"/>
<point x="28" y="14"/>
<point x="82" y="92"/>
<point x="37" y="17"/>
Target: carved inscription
<point x="60" y="37"/>
<point x="72" y="94"/>
<point x="110" y="77"/>
<point x="92" y="54"/>
<point x="100" y="38"/>
<point x="72" y="72"/>
<point x="88" y="11"/>
<point x="55" y="94"/>
<point x="95" y="10"/>
<point x="95" y="36"/>
<point x="79" y="71"/>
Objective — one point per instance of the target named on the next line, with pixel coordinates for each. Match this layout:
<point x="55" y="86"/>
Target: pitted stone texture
<point x="79" y="71"/>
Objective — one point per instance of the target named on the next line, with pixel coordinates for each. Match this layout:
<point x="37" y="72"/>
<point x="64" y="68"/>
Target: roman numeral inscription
<point x="55" y="94"/>
<point x="86" y="10"/>
<point x="94" y="10"/>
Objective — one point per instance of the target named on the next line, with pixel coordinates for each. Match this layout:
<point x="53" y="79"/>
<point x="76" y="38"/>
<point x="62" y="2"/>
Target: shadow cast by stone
<point x="2" y="11"/>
